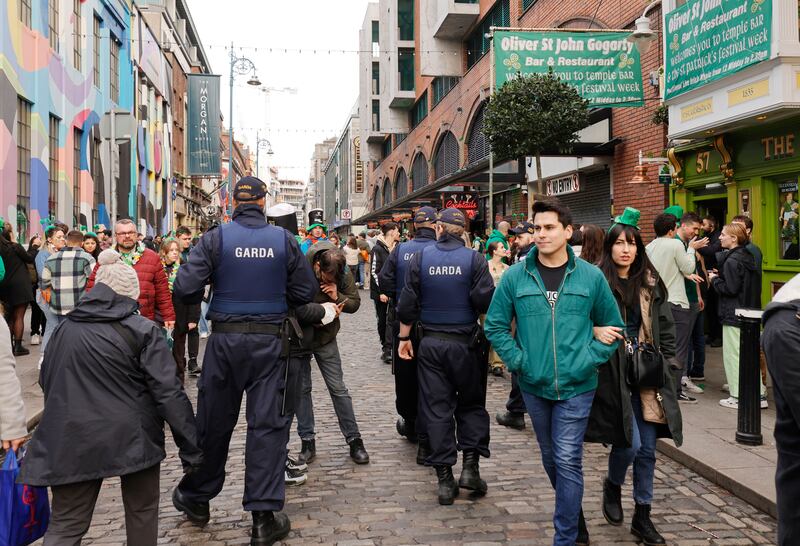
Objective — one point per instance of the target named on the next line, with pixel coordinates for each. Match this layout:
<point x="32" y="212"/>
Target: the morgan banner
<point x="204" y="125"/>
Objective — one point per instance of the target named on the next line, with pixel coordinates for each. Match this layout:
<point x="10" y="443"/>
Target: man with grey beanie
<point x="109" y="385"/>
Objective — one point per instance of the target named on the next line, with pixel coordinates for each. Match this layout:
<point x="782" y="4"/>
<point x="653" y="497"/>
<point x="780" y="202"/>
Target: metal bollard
<point x="748" y="430"/>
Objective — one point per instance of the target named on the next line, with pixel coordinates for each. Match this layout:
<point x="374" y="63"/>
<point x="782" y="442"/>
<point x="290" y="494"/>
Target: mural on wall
<point x="52" y="95"/>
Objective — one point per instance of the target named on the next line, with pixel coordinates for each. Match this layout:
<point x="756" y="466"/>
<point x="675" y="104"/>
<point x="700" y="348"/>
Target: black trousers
<point x="73" y="506"/>
<point x="515" y="403"/>
<point x="38" y="320"/>
<point x="712" y="314"/>
<point x="179" y="338"/>
<point x="452" y="390"/>
<point x="406" y="384"/>
<point x="381" y="310"/>
<point x="232" y="365"/>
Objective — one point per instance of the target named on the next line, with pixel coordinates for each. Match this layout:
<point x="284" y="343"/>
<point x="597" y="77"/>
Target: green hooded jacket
<point x="554" y="352"/>
<point x="496" y="236"/>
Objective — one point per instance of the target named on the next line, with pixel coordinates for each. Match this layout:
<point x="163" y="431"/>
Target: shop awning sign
<point x="563" y="185"/>
<point x="709" y="39"/>
<point x="463" y="201"/>
<point x="603" y="66"/>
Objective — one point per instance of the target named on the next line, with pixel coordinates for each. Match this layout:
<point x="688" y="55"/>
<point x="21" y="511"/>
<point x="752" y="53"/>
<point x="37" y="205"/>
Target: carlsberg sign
<point x="604" y="67"/>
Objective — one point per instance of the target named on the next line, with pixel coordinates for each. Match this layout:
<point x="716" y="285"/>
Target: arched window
<point x="401" y="184"/>
<point x="387" y="192"/>
<point x="419" y="172"/>
<point x="376" y="199"/>
<point x="477" y="145"/>
<point x="446" y="158"/>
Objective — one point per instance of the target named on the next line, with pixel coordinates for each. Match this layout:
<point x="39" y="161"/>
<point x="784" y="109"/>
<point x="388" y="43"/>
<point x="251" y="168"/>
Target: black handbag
<point x="645" y="365"/>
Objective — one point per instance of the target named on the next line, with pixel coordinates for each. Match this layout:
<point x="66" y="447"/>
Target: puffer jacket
<point x="736" y="284"/>
<point x="153" y="287"/>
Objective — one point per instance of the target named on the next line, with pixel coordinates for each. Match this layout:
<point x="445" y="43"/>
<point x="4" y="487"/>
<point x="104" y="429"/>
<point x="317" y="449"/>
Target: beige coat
<point x="12" y="409"/>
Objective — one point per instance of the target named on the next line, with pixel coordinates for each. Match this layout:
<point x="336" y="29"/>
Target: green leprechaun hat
<point x="629" y="217"/>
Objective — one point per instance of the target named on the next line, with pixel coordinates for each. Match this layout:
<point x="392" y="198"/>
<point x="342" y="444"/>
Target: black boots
<point x="19" y="350"/>
<point x="612" y="503"/>
<point x="510" y="419"/>
<point x="193" y="368"/>
<point x="583" y="533"/>
<point x="196" y="512"/>
<point x="470" y="474"/>
<point x="423" y="450"/>
<point x="357" y="452"/>
<point x="386" y="354"/>
<point x="642" y="526"/>
<point x="308" y="451"/>
<point x="448" y="490"/>
<point x="269" y="527"/>
<point x="407" y="429"/>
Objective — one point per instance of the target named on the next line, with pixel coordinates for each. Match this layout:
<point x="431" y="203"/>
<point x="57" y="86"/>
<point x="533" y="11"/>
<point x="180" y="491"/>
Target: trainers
<point x="697" y="378"/>
<point x="725" y="388"/>
<point x="35" y="339"/>
<point x="764" y="403"/>
<point x="293" y="464"/>
<point x="686" y="399"/>
<point x="203" y="335"/>
<point x="293" y="477"/>
<point x="730" y="403"/>
<point x="689" y="385"/>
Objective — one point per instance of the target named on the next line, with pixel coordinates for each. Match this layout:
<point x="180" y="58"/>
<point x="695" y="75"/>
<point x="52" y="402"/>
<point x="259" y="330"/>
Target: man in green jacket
<point x="500" y="234"/>
<point x="557" y="300"/>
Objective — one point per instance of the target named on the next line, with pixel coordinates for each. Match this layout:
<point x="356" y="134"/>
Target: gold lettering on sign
<point x="777" y="147"/>
<point x="748" y="92"/>
<point x="696" y="110"/>
<point x="702" y="162"/>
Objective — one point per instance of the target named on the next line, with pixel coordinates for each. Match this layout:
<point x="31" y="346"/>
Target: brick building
<point x="425" y="137"/>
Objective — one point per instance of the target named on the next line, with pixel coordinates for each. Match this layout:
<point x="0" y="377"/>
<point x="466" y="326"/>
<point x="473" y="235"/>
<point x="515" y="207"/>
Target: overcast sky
<point x="327" y="84"/>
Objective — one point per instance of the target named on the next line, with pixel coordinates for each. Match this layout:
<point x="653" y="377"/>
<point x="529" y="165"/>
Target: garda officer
<point x="391" y="281"/>
<point x="446" y="287"/>
<point x="258" y="272"/>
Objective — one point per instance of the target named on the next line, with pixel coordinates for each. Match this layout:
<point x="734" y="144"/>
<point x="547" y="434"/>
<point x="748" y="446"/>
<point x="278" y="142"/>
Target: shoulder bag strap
<point x="126" y="334"/>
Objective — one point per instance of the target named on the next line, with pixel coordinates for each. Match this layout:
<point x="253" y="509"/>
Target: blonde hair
<point x="738" y="231"/>
<point x="164" y="249"/>
<point x="458" y="231"/>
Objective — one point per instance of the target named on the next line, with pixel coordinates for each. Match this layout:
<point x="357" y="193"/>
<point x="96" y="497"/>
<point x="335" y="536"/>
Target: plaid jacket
<point x="66" y="273"/>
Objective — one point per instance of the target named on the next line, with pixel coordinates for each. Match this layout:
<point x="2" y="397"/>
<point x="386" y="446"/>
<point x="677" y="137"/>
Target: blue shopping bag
<point x="24" y="510"/>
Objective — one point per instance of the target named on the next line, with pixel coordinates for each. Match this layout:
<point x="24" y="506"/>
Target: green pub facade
<point x="734" y="121"/>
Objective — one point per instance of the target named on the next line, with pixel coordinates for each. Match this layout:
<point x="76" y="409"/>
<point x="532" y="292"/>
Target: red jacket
<point x="153" y="287"/>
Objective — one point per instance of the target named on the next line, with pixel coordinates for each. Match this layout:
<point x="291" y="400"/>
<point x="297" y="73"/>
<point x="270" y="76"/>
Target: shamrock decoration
<point x="756" y="5"/>
<point x="674" y="46"/>
<point x="625" y="61"/>
<point x="513" y="62"/>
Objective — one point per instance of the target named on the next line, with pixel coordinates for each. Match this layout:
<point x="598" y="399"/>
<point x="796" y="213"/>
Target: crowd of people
<point x="603" y="335"/>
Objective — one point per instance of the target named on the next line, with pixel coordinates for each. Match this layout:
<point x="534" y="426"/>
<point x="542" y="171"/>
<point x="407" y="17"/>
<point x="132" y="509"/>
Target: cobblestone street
<point x="393" y="501"/>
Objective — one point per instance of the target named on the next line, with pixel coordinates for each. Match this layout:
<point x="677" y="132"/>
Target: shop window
<point x="788" y="211"/>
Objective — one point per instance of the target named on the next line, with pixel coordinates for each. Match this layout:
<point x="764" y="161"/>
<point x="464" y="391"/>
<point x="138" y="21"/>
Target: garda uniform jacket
<point x="554" y="352"/>
<point x="105" y="408"/>
<point x="388" y="274"/>
<point x="345" y="290"/>
<point x="611" y="418"/>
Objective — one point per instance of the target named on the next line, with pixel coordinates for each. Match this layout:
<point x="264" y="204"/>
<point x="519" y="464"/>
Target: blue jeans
<point x="304" y="407"/>
<point x="696" y="359"/>
<point x="362" y="275"/>
<point x="560" y="426"/>
<point x="202" y="326"/>
<point x="642" y="454"/>
<point x="50" y="325"/>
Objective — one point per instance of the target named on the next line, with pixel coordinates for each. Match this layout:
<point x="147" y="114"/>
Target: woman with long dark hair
<point x="592" y="243"/>
<point x="630" y="419"/>
<point x="15" y="288"/>
<point x="91" y="244"/>
<point x="38" y="320"/>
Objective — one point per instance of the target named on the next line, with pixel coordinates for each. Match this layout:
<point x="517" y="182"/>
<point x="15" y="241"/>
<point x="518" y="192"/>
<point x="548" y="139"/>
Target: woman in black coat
<point x="390" y="233"/>
<point x="38" y="319"/>
<point x="618" y="415"/>
<point x="109" y="385"/>
<point x="15" y="288"/>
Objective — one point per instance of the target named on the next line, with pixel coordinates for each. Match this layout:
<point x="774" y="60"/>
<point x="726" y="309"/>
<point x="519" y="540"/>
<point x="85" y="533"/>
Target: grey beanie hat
<point x="117" y="275"/>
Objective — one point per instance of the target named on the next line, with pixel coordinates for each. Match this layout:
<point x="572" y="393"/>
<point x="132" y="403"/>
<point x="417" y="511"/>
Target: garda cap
<point x="249" y="188"/>
<point x="425" y="214"/>
<point x="454" y="217"/>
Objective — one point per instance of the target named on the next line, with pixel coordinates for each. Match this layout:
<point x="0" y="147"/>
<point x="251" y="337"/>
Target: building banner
<point x="203" y="138"/>
<point x="604" y="67"/>
<point x="709" y="39"/>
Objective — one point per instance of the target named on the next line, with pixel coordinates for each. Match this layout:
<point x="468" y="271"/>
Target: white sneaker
<point x="294" y="478"/>
<point x="690" y="386"/>
<point x="725" y="388"/>
<point x="204" y="335"/>
<point x="35" y="339"/>
<point x="730" y="403"/>
<point x="764" y="403"/>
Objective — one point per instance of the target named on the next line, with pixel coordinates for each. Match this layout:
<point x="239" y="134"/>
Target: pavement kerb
<point x="739" y="489"/>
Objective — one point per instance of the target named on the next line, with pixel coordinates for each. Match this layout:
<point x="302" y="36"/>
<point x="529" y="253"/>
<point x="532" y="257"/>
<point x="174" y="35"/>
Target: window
<point x="477" y="145"/>
<point x="387" y="192"/>
<point x="441" y="86"/>
<point x="405" y="68"/>
<point x="52" y="174"/>
<point x="399" y="138"/>
<point x="77" y="56"/>
<point x="788" y="210"/>
<point x="405" y="19"/>
<point x="401" y="184"/>
<point x="376" y="115"/>
<point x="477" y="44"/>
<point x="376" y="199"/>
<point x="376" y="48"/>
<point x="96" y="41"/>
<point x="24" y="10"/>
<point x="52" y="23"/>
<point x="114" y="70"/>
<point x="376" y="78"/>
<point x="97" y="180"/>
<point x="77" y="136"/>
<point x="387" y="148"/>
<point x="419" y="172"/>
<point x="446" y="158"/>
<point x="23" y="164"/>
<point x="527" y="3"/>
<point x="420" y="110"/>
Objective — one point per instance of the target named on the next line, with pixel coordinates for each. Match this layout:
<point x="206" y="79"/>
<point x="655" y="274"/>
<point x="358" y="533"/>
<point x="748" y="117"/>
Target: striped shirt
<point x="66" y="273"/>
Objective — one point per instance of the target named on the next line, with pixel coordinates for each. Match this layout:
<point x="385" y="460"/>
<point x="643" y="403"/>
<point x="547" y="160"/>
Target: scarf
<point x="132" y="258"/>
<point x="171" y="271"/>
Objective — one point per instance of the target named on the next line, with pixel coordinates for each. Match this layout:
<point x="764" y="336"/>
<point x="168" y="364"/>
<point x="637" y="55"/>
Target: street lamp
<point x="239" y="66"/>
<point x="643" y="36"/>
<point x="262" y="143"/>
